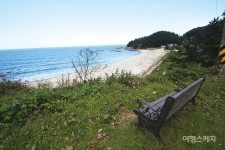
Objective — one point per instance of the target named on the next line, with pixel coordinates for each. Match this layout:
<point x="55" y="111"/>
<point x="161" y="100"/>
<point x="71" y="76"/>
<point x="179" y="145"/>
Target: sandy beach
<point x="140" y="65"/>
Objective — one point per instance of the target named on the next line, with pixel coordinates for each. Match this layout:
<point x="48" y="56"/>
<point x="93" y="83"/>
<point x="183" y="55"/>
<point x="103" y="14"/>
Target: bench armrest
<point x="141" y="101"/>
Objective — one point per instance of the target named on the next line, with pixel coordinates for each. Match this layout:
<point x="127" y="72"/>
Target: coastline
<point x="140" y="65"/>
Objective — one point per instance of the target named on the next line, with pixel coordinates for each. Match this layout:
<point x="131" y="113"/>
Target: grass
<point x="98" y="114"/>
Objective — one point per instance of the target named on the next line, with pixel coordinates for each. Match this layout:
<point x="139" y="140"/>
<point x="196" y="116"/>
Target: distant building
<point x="170" y="47"/>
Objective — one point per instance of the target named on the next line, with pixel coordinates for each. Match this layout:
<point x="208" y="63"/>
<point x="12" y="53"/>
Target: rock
<point x="33" y="147"/>
<point x="4" y="74"/>
<point x="65" y="123"/>
<point x="66" y="138"/>
<point x="69" y="148"/>
<point x="100" y="130"/>
<point x="44" y="128"/>
<point x="99" y="137"/>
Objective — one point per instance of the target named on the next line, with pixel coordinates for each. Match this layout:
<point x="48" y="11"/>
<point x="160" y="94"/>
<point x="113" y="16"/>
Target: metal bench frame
<point x="153" y="115"/>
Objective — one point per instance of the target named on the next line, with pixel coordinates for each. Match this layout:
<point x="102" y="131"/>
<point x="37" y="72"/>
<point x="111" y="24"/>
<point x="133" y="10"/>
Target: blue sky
<point x="56" y="23"/>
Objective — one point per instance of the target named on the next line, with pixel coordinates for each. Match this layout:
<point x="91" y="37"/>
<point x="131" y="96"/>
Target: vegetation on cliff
<point x="199" y="45"/>
<point x="157" y="39"/>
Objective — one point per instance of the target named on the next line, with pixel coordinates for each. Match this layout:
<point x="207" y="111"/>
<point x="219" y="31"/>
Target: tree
<point x="201" y="44"/>
<point x="156" y="39"/>
<point x="223" y="14"/>
<point x="85" y="65"/>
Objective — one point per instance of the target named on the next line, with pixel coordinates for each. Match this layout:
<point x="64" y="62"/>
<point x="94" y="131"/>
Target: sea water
<point x="43" y="63"/>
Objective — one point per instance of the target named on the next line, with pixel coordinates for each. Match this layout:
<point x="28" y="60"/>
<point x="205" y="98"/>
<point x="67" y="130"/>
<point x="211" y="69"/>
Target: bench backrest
<point x="182" y="97"/>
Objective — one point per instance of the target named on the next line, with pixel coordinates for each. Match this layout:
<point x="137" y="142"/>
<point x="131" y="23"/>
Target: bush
<point x="7" y="86"/>
<point x="93" y="86"/>
<point x="19" y="109"/>
<point x="190" y="72"/>
<point x="125" y="78"/>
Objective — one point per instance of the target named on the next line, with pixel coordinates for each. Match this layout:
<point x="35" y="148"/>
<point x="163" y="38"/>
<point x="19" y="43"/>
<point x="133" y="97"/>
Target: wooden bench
<point x="153" y="115"/>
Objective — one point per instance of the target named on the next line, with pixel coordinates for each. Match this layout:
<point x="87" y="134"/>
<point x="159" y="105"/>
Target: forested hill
<point x="202" y="44"/>
<point x="206" y="36"/>
<point x="157" y="39"/>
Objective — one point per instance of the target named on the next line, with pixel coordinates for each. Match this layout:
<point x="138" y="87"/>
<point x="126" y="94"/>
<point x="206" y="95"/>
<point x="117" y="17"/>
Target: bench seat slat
<point x="184" y="96"/>
<point x="160" y="102"/>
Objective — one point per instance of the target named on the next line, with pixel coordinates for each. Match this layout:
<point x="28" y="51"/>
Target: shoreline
<point x="140" y="65"/>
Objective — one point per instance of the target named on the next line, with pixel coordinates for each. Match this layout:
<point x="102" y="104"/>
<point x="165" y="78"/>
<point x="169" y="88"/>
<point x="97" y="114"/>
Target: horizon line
<point x="61" y="46"/>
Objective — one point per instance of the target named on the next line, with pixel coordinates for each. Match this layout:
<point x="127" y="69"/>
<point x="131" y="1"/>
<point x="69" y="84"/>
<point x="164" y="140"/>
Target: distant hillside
<point x="201" y="44"/>
<point x="155" y="40"/>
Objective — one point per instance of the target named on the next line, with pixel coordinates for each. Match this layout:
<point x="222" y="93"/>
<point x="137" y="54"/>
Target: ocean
<point x="42" y="63"/>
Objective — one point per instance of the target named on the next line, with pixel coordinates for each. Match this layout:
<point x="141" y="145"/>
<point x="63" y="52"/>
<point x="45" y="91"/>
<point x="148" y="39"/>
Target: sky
<point x="59" y="23"/>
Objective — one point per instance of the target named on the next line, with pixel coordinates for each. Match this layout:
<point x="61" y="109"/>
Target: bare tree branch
<point x="86" y="65"/>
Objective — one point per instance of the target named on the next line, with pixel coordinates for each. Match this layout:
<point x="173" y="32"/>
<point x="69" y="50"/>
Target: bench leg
<point x="140" y="122"/>
<point x="156" y="132"/>
<point x="193" y="101"/>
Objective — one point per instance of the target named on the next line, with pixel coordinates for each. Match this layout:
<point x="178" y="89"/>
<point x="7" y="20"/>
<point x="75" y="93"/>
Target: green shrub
<point x="125" y="78"/>
<point x="91" y="87"/>
<point x="9" y="86"/>
<point x="190" y="73"/>
<point x="17" y="110"/>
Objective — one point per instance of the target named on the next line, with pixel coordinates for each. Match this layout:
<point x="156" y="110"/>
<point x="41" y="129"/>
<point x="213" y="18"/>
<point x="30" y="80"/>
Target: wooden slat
<point x="160" y="102"/>
<point x="185" y="95"/>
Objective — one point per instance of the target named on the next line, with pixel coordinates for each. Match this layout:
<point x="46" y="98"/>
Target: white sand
<point x="140" y="65"/>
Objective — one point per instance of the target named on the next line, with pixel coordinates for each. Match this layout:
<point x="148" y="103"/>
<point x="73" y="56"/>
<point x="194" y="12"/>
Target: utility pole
<point x="222" y="52"/>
